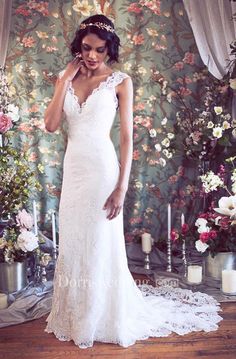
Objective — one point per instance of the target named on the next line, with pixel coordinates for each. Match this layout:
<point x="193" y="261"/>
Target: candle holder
<point x="169" y="267"/>
<point x="184" y="257"/>
<point x="147" y="261"/>
<point x="194" y="275"/>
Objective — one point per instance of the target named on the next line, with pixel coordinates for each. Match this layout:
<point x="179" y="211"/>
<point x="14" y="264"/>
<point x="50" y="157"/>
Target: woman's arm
<point x="53" y="113"/>
<point x="115" y="201"/>
<point x="125" y="94"/>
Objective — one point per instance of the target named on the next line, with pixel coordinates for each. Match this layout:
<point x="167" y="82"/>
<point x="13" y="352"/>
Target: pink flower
<point x="174" y="235"/>
<point x="24" y="220"/>
<point x="212" y="234"/>
<point x="179" y="65"/>
<point x="138" y="39"/>
<point x="189" y="58"/>
<point x="5" y="123"/>
<point x="28" y="41"/>
<point x="134" y="8"/>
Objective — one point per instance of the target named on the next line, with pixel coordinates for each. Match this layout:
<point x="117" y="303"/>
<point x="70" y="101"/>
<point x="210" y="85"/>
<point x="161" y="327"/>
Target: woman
<point x="95" y="297"/>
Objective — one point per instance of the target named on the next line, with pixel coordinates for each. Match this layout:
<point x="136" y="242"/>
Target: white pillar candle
<point x="194" y="274"/>
<point x="35" y="218"/>
<point x="182" y="220"/>
<point x="1" y="141"/>
<point x="3" y="301"/>
<point x="169" y="220"/>
<point x="54" y="230"/>
<point x="229" y="281"/>
<point x="146" y="242"/>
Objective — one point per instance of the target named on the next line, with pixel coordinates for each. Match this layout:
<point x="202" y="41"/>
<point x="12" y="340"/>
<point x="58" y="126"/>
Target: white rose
<point x="153" y="132"/>
<point x="200" y="246"/>
<point x="201" y="222"/>
<point x="27" y="241"/>
<point x="165" y="142"/>
<point x="217" y="132"/>
<point x="162" y="161"/>
<point x="158" y="147"/>
<point x="164" y="121"/>
<point x="210" y="124"/>
<point x="226" y="125"/>
<point x="170" y="135"/>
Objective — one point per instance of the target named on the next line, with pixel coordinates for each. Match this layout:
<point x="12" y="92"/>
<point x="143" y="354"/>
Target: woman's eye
<point x="86" y="48"/>
<point x="101" y="50"/>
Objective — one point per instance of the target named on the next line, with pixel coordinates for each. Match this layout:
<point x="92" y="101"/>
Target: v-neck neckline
<point x="97" y="88"/>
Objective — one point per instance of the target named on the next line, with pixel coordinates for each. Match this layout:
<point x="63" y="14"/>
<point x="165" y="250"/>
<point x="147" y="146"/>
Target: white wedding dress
<point x="95" y="297"/>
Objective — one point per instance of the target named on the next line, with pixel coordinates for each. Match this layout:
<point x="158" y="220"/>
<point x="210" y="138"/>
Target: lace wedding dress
<point x="95" y="297"/>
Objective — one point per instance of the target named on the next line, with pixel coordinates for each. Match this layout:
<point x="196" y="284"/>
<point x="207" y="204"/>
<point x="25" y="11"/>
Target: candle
<point x="169" y="221"/>
<point x="182" y="220"/>
<point x="194" y="274"/>
<point x="146" y="242"/>
<point x="35" y="218"/>
<point x="3" y="301"/>
<point x="53" y="230"/>
<point x="229" y="281"/>
<point x="1" y="141"/>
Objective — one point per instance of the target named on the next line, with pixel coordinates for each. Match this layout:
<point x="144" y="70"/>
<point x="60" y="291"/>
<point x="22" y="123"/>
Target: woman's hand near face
<point x="114" y="203"/>
<point x="77" y="64"/>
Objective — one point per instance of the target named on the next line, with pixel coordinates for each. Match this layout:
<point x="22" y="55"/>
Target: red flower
<point x="213" y="234"/>
<point x="205" y="236"/>
<point x="174" y="235"/>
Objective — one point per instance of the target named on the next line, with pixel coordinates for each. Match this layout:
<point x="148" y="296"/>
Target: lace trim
<point x="111" y="81"/>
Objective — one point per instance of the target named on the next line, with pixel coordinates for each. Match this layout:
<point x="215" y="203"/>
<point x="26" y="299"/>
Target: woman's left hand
<point x="114" y="203"/>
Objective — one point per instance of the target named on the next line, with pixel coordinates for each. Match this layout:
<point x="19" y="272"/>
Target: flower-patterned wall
<point x="157" y="41"/>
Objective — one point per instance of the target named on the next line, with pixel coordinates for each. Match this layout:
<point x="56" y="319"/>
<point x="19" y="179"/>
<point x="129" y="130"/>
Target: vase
<point x="13" y="276"/>
<point x="224" y="260"/>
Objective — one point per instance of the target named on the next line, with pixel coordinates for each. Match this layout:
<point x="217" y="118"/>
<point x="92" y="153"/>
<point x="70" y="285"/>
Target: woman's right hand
<point x="77" y="64"/>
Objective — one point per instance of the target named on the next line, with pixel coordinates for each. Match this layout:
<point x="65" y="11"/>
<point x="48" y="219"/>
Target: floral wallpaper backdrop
<point x="158" y="49"/>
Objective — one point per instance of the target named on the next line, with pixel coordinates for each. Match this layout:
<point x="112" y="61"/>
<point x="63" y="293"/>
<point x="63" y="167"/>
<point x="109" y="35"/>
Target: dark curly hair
<point x="112" y="40"/>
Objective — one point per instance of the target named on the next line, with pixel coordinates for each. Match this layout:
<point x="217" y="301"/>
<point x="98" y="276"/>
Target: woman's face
<point x="93" y="51"/>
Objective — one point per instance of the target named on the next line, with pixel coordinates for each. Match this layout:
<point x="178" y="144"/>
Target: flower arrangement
<point x="205" y="127"/>
<point x="214" y="230"/>
<point x="9" y="113"/>
<point x="17" y="240"/>
<point x="17" y="180"/>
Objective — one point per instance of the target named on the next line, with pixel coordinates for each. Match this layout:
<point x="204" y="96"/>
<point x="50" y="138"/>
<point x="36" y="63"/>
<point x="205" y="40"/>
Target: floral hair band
<point x="100" y="25"/>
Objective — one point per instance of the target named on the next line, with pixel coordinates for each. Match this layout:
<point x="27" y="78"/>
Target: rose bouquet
<point x="216" y="228"/>
<point x="17" y="240"/>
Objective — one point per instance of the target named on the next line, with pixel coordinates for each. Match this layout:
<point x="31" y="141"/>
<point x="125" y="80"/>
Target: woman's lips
<point x="91" y="63"/>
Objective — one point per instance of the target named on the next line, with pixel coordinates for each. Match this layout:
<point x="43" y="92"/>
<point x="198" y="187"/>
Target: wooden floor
<point x="28" y="340"/>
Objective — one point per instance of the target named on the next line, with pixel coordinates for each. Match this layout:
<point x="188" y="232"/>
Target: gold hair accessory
<point x="100" y="25"/>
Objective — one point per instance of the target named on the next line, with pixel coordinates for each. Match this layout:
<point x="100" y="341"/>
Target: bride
<point x="95" y="297"/>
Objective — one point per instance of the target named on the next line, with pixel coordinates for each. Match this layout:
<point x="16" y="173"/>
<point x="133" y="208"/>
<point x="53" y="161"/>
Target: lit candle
<point x="1" y="141"/>
<point x="54" y="230"/>
<point x="229" y="281"/>
<point x="194" y="274"/>
<point x="169" y="220"/>
<point x="35" y="218"/>
<point x="146" y="242"/>
<point x="182" y="220"/>
<point x="3" y="301"/>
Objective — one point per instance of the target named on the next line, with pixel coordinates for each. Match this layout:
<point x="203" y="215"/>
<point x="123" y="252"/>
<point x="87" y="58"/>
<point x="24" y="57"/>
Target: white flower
<point x="200" y="246"/>
<point x="158" y="147"/>
<point x="232" y="83"/>
<point x="153" y="132"/>
<point x="234" y="132"/>
<point x="170" y="135"/>
<point x="217" y="132"/>
<point x="24" y="219"/>
<point x="166" y="142"/>
<point x="13" y="112"/>
<point x="227" y="206"/>
<point x="226" y="125"/>
<point x="201" y="222"/>
<point x="162" y="161"/>
<point x="164" y="121"/>
<point x="210" y="124"/>
<point x="218" y="110"/>
<point x="27" y="241"/>
<point x="211" y="182"/>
